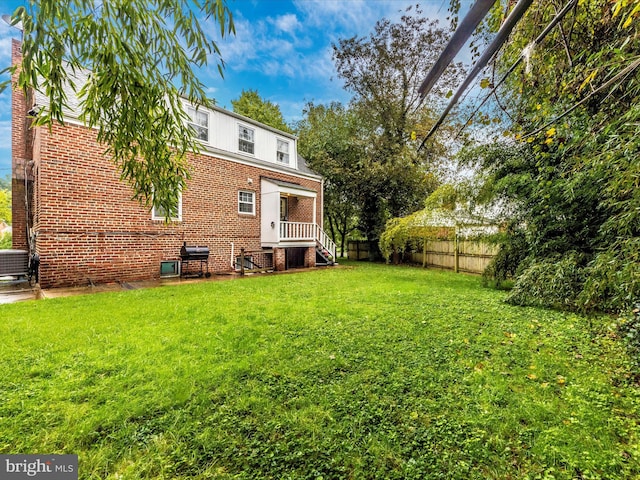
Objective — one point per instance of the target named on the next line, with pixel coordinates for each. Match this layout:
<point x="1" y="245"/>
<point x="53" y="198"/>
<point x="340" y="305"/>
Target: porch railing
<point x="297" y="231"/>
<point x="301" y="231"/>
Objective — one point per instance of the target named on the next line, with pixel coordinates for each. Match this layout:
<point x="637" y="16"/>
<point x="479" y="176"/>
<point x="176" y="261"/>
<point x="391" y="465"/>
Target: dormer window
<point x="282" y="153"/>
<point x="245" y="139"/>
<point x="199" y="121"/>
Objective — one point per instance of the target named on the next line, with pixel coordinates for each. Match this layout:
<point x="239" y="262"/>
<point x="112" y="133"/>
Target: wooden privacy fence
<point x="460" y="256"/>
<point x="358" y="250"/>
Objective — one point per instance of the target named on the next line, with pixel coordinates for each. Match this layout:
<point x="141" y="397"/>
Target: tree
<point x="384" y="71"/>
<point x="329" y="139"/>
<point x="5" y="183"/>
<point x="569" y="171"/>
<point x="138" y="60"/>
<point x="251" y="105"/>
<point x="5" y="206"/>
<point x="423" y="225"/>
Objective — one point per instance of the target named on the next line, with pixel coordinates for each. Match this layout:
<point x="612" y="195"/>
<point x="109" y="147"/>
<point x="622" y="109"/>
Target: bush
<point x="5" y="241"/>
<point x="629" y="329"/>
<point x="555" y="282"/>
<point x="503" y="268"/>
<point x="613" y="280"/>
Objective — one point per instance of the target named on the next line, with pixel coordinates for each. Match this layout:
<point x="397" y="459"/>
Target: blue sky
<point x="282" y="48"/>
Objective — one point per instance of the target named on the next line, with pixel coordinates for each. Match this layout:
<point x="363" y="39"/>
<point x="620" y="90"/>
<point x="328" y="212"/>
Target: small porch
<point x="288" y="220"/>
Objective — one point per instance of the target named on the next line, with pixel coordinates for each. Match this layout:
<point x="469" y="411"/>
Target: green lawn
<point x="361" y="371"/>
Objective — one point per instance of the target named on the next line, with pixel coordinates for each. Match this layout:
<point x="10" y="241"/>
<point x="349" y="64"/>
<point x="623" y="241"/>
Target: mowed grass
<point x="362" y="371"/>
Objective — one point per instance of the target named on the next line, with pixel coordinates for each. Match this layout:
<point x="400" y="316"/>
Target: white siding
<point x="223" y="128"/>
<point x="223" y="135"/>
<point x="270" y="209"/>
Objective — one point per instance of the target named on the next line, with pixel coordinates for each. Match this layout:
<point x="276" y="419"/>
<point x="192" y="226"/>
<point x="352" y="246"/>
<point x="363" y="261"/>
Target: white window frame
<point x="158" y="215"/>
<point x="244" y="129"/>
<point x="242" y="201"/>
<point x="196" y="125"/>
<point x="285" y="153"/>
<point x="248" y="263"/>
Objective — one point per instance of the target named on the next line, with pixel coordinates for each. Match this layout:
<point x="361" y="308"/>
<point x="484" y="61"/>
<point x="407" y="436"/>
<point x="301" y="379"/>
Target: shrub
<point x="613" y="280"/>
<point x="554" y="282"/>
<point x="503" y="267"/>
<point x="5" y="241"/>
<point x="629" y="329"/>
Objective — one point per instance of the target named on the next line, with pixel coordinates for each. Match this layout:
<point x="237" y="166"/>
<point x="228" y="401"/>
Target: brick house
<point x="248" y="190"/>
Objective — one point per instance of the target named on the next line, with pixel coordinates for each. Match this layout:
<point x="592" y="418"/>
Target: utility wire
<point x="501" y="37"/>
<point x="468" y="25"/>
<point x="620" y="76"/>
<point x="537" y="41"/>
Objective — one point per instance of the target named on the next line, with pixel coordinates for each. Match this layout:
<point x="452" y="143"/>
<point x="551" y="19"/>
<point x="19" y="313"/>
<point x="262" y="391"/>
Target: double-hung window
<point x="175" y="213"/>
<point x="199" y="122"/>
<point x="282" y="154"/>
<point x="246" y="202"/>
<point x="246" y="141"/>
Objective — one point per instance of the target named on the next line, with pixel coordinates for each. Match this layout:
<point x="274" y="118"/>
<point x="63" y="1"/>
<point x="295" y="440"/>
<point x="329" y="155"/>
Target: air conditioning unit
<point x="14" y="263"/>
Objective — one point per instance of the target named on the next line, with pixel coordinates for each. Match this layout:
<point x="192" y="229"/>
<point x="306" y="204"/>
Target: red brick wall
<point x="310" y="257"/>
<point x="301" y="209"/>
<point x="279" y="259"/>
<point x="21" y="154"/>
<point x="89" y="230"/>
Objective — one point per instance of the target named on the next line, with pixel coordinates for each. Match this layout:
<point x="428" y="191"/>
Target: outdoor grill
<point x="197" y="254"/>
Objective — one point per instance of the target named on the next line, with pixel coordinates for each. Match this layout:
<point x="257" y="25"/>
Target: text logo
<point x="44" y="467"/>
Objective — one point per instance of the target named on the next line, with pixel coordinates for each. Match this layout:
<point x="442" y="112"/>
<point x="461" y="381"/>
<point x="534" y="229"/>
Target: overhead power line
<point x="559" y="16"/>
<point x="620" y="76"/>
<point x="501" y="37"/>
<point x="468" y="25"/>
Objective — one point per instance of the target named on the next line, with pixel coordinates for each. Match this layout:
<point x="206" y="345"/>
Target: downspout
<point x="321" y="223"/>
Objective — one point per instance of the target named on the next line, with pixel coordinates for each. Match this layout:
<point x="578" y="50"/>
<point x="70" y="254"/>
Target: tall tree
<point x="252" y="105"/>
<point x="570" y="170"/>
<point x="5" y="206"/>
<point x="138" y="59"/>
<point x="384" y="71"/>
<point x="330" y="141"/>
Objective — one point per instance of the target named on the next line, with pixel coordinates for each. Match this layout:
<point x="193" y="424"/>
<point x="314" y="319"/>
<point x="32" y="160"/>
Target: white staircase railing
<point x="300" y="231"/>
<point x="325" y="242"/>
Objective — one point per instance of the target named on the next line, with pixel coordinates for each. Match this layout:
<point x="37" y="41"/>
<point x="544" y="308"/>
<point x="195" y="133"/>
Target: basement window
<point x="248" y="262"/>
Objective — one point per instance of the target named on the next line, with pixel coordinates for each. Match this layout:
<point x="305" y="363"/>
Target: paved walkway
<point x="16" y="292"/>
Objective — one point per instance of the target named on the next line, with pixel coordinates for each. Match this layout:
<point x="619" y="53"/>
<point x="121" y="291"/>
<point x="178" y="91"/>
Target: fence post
<point x="424" y="253"/>
<point x="242" y="261"/>
<point x="456" y="256"/>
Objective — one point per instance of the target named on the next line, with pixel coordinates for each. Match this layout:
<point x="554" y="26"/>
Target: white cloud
<point x="260" y="48"/>
<point x="286" y="23"/>
<point x="6" y="34"/>
<point x="358" y="17"/>
<point x="5" y="147"/>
